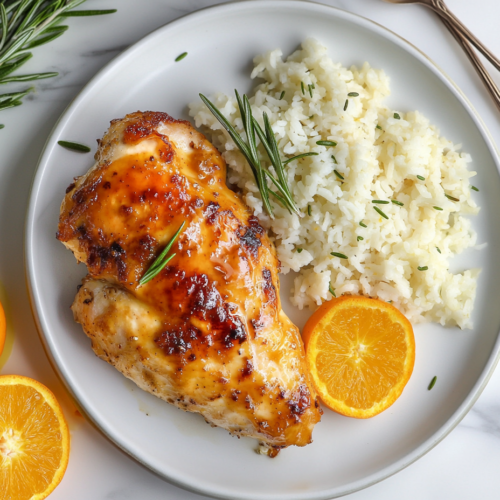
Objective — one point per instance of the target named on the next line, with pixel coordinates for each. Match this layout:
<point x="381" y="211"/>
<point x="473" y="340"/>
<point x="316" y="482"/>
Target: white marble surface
<point x="464" y="466"/>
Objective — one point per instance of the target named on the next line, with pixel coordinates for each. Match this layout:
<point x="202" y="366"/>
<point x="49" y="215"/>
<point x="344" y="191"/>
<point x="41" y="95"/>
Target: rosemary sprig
<point x="250" y="152"/>
<point x="24" y="25"/>
<point x="74" y="146"/>
<point x="161" y="261"/>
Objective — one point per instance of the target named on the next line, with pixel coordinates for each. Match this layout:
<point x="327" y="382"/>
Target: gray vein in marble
<point x="487" y="420"/>
<point x="103" y="52"/>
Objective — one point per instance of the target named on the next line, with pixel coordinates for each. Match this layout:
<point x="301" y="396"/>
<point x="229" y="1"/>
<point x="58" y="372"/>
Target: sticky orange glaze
<point x="222" y="335"/>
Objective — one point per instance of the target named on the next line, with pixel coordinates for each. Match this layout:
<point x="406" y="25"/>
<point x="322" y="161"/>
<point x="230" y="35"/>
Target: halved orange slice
<point x="360" y="353"/>
<point x="34" y="439"/>
<point x="3" y="328"/>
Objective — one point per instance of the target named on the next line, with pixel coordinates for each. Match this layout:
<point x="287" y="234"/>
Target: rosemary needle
<point x="84" y="13"/>
<point x="346" y="104"/>
<point x="420" y="177"/>
<point x="437" y="248"/>
<point x="423" y="268"/>
<point x="162" y="260"/>
<point x="360" y="238"/>
<point x="74" y="146"/>
<point x="437" y="208"/>
<point x="331" y="290"/>
<point x="308" y="209"/>
<point x="452" y="198"/>
<point x="339" y="255"/>
<point x="180" y="57"/>
<point x="298" y="157"/>
<point x="474" y="188"/>
<point x="338" y="174"/>
<point x="396" y="115"/>
<point x="362" y="224"/>
<point x="379" y="127"/>
<point x="326" y="143"/>
<point x="396" y="202"/>
<point x="335" y="161"/>
<point x="302" y="87"/>
<point x="381" y="213"/>
<point x="282" y="95"/>
<point x="353" y="94"/>
<point x="2" y="126"/>
<point x="310" y="90"/>
<point x="432" y="384"/>
<point x="380" y="202"/>
<point x="299" y="250"/>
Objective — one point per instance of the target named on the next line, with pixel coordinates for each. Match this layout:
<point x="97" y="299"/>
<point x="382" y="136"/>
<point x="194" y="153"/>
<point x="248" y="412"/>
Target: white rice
<point x="376" y="164"/>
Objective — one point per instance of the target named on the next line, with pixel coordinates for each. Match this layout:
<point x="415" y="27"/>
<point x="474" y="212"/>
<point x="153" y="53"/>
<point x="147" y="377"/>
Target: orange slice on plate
<point x="360" y="353"/>
<point x="34" y="439"/>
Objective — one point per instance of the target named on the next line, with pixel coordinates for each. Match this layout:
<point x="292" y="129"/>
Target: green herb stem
<point x="180" y="57"/>
<point x="161" y="261"/>
<point x="380" y="202"/>
<point x="74" y="146"/>
<point x="396" y="202"/>
<point x="381" y="213"/>
<point x="298" y="157"/>
<point x="339" y="255"/>
<point x="330" y="144"/>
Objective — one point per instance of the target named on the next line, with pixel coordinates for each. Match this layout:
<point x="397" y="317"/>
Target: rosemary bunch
<point x="24" y="25"/>
<point x="251" y="154"/>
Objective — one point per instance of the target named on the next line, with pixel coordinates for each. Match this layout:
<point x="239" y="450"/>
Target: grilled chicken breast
<point x="208" y="333"/>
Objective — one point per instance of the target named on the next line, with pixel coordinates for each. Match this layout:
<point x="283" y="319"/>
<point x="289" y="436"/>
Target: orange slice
<point x="360" y="353"/>
<point x="3" y="328"/>
<point x="34" y="439"/>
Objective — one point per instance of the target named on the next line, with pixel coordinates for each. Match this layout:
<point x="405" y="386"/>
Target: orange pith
<point x="360" y="353"/>
<point x="34" y="439"/>
<point x="3" y="328"/>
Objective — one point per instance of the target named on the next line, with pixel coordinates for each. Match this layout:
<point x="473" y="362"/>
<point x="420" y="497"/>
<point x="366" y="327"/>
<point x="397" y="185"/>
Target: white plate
<point x="347" y="454"/>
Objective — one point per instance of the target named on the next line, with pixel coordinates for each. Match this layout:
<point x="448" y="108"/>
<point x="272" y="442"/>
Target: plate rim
<point x="33" y="292"/>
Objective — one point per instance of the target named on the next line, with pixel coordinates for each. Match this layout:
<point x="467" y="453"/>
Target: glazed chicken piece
<point x="207" y="334"/>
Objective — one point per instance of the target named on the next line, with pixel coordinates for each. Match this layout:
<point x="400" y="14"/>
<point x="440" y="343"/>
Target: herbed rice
<point x="376" y="163"/>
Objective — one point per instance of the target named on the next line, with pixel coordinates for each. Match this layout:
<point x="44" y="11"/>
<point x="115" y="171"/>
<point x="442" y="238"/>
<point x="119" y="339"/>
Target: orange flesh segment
<point x="361" y="354"/>
<point x="34" y="442"/>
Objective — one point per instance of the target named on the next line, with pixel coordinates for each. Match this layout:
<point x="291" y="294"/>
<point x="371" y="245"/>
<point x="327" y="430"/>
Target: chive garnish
<point x="452" y="198"/>
<point x="310" y="90"/>
<point x="424" y="268"/>
<point x="162" y="260"/>
<point x="326" y="143"/>
<point x="396" y="202"/>
<point x="362" y="224"/>
<point x="331" y="290"/>
<point x="381" y="213"/>
<point x="437" y="248"/>
<point x="74" y="146"/>
<point x="302" y="87"/>
<point x="396" y="115"/>
<point x="420" y="177"/>
<point x="353" y="94"/>
<point x="474" y="188"/>
<point x="380" y="202"/>
<point x="299" y="250"/>
<point x="308" y="209"/>
<point x="360" y="238"/>
<point x="346" y="104"/>
<point x="335" y="160"/>
<point x="379" y="127"/>
<point x="437" y="208"/>
<point x="180" y="57"/>
<point x="338" y="174"/>
<point x="298" y="157"/>
<point x="432" y="384"/>
<point x="282" y="95"/>
<point x="339" y="255"/>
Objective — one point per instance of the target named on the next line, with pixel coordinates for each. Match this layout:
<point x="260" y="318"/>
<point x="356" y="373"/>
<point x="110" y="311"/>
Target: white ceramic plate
<point x="347" y="454"/>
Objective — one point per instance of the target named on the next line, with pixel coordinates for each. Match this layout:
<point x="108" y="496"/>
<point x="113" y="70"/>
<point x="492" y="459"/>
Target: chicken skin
<point x="207" y="334"/>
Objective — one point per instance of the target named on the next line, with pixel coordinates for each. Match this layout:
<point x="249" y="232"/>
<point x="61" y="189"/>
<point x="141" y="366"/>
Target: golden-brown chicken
<point x="208" y="333"/>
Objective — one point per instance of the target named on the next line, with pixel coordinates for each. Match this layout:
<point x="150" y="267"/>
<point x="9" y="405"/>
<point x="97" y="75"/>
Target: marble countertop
<point x="464" y="466"/>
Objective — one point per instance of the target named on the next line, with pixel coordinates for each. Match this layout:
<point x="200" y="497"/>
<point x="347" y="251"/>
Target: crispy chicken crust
<point x="207" y="334"/>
